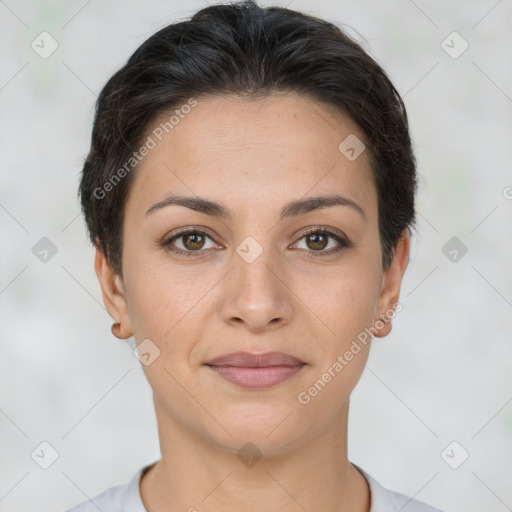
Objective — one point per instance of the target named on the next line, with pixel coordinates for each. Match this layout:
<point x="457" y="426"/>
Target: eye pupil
<point x="197" y="244"/>
<point x="314" y="238"/>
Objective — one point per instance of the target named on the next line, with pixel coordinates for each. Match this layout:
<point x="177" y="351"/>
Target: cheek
<point x="343" y="299"/>
<point x="346" y="307"/>
<point x="166" y="302"/>
<point x="151" y="308"/>
<point x="154" y="297"/>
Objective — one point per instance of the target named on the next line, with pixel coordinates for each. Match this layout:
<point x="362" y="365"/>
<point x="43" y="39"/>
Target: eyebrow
<point x="291" y="209"/>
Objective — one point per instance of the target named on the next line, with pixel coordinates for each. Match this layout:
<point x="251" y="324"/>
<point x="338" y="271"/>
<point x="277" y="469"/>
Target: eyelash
<point x="343" y="243"/>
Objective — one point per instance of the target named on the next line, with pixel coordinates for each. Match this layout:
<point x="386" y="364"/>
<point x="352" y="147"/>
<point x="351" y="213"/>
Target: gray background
<point x="443" y="375"/>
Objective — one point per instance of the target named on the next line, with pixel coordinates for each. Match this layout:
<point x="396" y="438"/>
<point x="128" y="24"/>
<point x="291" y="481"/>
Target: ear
<point x="391" y="283"/>
<point x="113" y="293"/>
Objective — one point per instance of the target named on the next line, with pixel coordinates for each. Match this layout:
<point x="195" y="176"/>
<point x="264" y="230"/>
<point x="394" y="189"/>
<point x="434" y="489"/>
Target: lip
<point x="256" y="371"/>
<point x="251" y="360"/>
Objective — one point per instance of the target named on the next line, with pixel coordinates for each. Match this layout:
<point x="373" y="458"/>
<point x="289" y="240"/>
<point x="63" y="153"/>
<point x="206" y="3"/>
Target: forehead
<point x="252" y="152"/>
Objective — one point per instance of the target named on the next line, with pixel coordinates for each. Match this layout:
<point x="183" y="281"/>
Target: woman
<point x="250" y="191"/>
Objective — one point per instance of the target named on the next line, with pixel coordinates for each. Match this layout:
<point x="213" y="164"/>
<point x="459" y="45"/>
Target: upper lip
<point x="249" y="359"/>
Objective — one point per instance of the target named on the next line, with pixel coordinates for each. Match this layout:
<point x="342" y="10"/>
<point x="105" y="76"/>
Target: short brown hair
<point x="241" y="48"/>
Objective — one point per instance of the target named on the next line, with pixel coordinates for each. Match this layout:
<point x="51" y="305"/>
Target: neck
<point x="195" y="474"/>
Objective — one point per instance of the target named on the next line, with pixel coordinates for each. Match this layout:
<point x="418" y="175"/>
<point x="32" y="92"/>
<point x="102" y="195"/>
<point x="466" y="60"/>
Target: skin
<point x="254" y="156"/>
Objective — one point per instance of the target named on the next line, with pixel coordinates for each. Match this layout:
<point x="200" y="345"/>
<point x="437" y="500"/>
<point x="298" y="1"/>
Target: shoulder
<point x="120" y="498"/>
<point x="107" y="501"/>
<point x="127" y="497"/>
<point x="385" y="500"/>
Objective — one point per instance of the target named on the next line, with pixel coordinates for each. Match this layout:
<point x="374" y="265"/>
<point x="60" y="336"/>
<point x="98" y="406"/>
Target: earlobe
<point x="120" y="332"/>
<point x="391" y="283"/>
<point x="113" y="293"/>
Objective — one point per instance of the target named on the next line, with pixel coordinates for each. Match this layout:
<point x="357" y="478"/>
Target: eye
<point x="316" y="242"/>
<point x="192" y="242"/>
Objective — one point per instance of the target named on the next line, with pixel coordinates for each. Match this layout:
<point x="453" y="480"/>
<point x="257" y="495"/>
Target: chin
<point x="273" y="428"/>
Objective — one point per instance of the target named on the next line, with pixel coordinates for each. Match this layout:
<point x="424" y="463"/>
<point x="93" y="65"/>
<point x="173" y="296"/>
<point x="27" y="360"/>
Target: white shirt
<point x="126" y="498"/>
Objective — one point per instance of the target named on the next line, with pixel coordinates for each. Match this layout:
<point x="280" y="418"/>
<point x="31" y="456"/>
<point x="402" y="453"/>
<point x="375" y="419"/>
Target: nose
<point x="256" y="294"/>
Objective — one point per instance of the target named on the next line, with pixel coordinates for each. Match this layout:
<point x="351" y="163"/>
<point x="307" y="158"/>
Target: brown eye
<point x="193" y="241"/>
<point x="317" y="241"/>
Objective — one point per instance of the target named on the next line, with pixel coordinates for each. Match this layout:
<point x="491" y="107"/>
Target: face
<point x="266" y="269"/>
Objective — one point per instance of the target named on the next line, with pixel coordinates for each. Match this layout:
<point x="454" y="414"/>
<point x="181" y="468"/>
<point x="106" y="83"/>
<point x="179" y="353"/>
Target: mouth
<point x="256" y="371"/>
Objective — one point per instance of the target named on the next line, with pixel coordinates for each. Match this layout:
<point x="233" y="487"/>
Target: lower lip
<point x="256" y="378"/>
